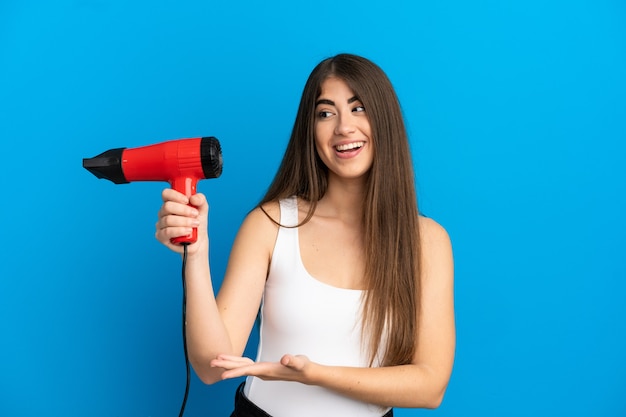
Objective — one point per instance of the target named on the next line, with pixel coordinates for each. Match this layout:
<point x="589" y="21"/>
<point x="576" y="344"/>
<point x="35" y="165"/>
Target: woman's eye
<point x="324" y="114"/>
<point x="358" y="109"/>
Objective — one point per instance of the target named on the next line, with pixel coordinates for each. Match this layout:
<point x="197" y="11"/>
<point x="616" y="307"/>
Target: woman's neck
<point x="343" y="199"/>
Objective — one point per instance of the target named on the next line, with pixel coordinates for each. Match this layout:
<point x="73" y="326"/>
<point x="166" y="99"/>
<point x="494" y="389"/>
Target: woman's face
<point x="342" y="131"/>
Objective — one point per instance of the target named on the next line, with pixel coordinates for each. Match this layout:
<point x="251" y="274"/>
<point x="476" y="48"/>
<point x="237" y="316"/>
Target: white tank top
<point x="301" y="315"/>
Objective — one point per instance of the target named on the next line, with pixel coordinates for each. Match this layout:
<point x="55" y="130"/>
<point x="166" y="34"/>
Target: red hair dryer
<point x="180" y="162"/>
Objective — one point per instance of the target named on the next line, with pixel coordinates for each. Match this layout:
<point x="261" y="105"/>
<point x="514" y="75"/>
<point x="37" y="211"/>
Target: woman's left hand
<point x="290" y="368"/>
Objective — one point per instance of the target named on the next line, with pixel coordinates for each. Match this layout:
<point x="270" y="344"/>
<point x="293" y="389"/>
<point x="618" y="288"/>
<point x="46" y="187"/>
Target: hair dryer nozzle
<point x="107" y="165"/>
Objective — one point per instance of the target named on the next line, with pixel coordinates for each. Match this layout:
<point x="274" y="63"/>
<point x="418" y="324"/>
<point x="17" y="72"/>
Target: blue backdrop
<point x="517" y="116"/>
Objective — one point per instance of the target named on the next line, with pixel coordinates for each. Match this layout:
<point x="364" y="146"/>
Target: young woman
<point x="355" y="288"/>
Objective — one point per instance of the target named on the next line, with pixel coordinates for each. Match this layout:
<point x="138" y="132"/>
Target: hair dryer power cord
<point x="182" y="407"/>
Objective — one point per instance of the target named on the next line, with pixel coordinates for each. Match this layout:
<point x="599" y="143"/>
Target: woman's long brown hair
<point x="390" y="215"/>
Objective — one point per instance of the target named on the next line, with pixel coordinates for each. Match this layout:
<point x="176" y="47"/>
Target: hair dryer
<point x="180" y="162"/>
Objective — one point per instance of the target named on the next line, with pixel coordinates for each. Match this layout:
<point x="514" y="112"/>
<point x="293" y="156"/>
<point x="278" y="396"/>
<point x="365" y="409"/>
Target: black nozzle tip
<point x="211" y="154"/>
<point x="107" y="165"/>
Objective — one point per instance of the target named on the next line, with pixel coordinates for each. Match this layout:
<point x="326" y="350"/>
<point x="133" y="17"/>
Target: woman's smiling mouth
<point x="349" y="146"/>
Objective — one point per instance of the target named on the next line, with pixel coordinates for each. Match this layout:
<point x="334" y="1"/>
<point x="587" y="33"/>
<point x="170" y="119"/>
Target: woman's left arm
<point x="419" y="384"/>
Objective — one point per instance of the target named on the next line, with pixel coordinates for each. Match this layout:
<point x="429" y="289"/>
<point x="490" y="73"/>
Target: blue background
<point x="517" y="116"/>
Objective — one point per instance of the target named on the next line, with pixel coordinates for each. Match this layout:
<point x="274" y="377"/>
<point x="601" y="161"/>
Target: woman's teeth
<point x="349" y="146"/>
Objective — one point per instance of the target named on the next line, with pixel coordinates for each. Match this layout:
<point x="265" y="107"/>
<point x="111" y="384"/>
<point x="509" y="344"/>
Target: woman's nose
<point x="345" y="125"/>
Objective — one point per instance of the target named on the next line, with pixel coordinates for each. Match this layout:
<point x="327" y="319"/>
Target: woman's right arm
<point x="222" y="324"/>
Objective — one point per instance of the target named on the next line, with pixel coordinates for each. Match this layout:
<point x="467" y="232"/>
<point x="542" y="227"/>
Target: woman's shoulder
<point x="436" y="252"/>
<point x="432" y="232"/>
<point x="269" y="211"/>
<point x="259" y="226"/>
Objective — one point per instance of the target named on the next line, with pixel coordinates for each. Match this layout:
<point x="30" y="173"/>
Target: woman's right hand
<point x="177" y="218"/>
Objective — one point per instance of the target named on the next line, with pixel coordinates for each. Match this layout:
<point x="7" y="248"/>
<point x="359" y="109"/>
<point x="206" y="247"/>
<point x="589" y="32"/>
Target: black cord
<point x="182" y="407"/>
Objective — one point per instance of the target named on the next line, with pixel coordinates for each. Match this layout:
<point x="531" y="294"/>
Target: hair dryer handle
<point x="186" y="186"/>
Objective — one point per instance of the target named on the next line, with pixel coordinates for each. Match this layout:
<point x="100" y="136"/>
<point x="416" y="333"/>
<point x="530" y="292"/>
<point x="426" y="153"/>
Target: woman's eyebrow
<point x="324" y="101"/>
<point x="332" y="103"/>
